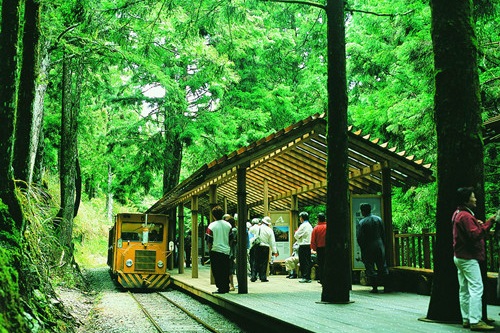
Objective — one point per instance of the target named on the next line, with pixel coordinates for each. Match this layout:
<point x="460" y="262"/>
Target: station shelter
<point x="282" y="173"/>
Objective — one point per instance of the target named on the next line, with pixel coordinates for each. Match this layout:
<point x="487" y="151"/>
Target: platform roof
<point x="293" y="162"/>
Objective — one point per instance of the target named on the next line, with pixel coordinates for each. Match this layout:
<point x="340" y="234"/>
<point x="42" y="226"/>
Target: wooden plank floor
<point x="297" y="305"/>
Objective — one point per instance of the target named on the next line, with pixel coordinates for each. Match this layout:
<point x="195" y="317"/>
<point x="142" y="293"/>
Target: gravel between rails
<point x="108" y="309"/>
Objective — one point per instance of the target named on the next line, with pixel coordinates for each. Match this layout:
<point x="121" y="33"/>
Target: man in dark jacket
<point x="371" y="242"/>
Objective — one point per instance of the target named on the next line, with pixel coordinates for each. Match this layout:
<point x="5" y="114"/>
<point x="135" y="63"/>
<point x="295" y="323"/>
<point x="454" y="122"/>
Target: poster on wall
<point x="376" y="202"/>
<point x="281" y="228"/>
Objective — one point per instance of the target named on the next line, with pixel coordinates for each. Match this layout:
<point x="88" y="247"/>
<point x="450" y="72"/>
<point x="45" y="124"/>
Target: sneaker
<point x="304" y="281"/>
<point x="481" y="326"/>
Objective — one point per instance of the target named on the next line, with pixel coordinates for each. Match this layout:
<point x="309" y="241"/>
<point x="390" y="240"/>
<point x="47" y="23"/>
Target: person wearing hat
<point x="303" y="238"/>
<point x="253" y="233"/>
<point x="267" y="241"/>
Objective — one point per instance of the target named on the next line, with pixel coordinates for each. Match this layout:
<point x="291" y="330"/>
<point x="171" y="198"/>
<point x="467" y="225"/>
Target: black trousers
<point x="320" y="254"/>
<point x="261" y="260"/>
<point x="305" y="261"/>
<point x="220" y="269"/>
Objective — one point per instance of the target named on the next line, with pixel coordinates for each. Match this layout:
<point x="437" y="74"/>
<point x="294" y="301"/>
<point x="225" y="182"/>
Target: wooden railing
<point x="416" y="250"/>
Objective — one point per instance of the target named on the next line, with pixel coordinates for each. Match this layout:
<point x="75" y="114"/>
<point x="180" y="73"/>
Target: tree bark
<point x="11" y="218"/>
<point x="68" y="153"/>
<point x="9" y="37"/>
<point x="109" y="195"/>
<point x="25" y="145"/>
<point x="172" y="158"/>
<point x="36" y="156"/>
<point x="460" y="148"/>
<point x="337" y="282"/>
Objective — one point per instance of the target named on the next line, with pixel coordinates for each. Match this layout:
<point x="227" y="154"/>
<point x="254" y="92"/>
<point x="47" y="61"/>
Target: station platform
<point x="285" y="305"/>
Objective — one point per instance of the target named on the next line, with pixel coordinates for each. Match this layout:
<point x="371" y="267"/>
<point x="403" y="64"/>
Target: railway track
<point x="174" y="311"/>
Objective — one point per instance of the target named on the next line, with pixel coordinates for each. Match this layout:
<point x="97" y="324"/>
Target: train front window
<point x="133" y="232"/>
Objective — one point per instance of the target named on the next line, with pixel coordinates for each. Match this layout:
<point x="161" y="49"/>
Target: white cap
<point x="266" y="220"/>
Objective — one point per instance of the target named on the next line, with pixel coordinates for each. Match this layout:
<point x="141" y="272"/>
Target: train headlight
<point x="129" y="262"/>
<point x="160" y="264"/>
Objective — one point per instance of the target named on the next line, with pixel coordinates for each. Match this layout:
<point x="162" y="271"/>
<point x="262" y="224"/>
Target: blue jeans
<point x="471" y="289"/>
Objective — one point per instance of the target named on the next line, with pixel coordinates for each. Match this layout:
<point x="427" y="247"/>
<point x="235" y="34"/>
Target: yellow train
<point x="138" y="250"/>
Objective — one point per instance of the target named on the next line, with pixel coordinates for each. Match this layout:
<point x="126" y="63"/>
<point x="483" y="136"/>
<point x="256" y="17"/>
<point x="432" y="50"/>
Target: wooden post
<point x="172" y="221"/>
<point x="387" y="199"/>
<point x="241" y="260"/>
<point x="294" y="222"/>
<point x="397" y="244"/>
<point x="194" y="236"/>
<point x="212" y="200"/>
<point x="266" y="197"/>
<point x="202" y="238"/>
<point x="427" y="247"/>
<point x="180" y="216"/>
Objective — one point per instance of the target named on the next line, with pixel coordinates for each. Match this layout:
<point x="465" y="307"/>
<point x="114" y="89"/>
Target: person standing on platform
<point x="371" y="242"/>
<point x="232" y="252"/>
<point x="267" y="243"/>
<point x="469" y="236"/>
<point x="254" y="232"/>
<point x="218" y="237"/>
<point x="187" y="248"/>
<point x="318" y="239"/>
<point x="303" y="238"/>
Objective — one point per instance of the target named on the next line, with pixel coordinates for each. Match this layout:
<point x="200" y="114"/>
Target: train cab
<point x="138" y="251"/>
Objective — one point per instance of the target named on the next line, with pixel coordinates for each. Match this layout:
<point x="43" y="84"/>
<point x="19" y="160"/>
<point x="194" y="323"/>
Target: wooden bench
<point x="411" y="279"/>
<point x="277" y="267"/>
<point x="419" y="280"/>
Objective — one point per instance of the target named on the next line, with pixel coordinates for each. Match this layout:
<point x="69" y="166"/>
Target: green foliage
<point x="11" y="319"/>
<point x="414" y="208"/>
<point x="91" y="232"/>
<point x="391" y="75"/>
<point x="211" y="77"/>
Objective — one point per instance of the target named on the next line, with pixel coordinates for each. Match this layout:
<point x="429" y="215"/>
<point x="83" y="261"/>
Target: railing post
<point x="427" y="247"/>
<point x="396" y="253"/>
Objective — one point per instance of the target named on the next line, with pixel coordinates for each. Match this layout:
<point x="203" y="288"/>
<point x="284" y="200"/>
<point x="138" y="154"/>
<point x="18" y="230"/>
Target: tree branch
<point x="377" y="14"/>
<point x="308" y="3"/>
<point x="314" y="4"/>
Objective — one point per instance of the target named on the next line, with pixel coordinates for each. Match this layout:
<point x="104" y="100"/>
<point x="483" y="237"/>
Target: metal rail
<point x="180" y="307"/>
<point x="190" y="314"/>
<point x="146" y="312"/>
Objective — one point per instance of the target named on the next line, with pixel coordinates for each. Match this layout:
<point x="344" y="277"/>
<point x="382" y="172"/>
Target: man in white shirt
<point x="267" y="242"/>
<point x="217" y="236"/>
<point x="303" y="238"/>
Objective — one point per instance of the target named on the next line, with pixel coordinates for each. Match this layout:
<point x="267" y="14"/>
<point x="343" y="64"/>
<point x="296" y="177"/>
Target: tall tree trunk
<point x="9" y="38"/>
<point x="38" y="164"/>
<point x="460" y="148"/>
<point x="337" y="284"/>
<point x="11" y="219"/>
<point x="68" y="153"/>
<point x="36" y="156"/>
<point x="25" y="143"/>
<point x="109" y="195"/>
<point x="172" y="158"/>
